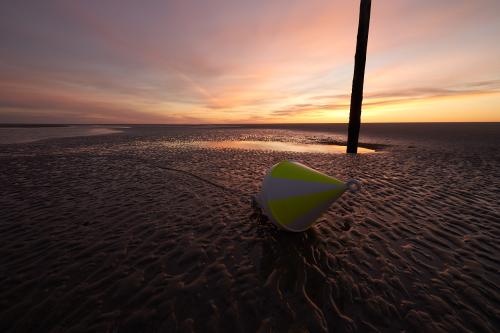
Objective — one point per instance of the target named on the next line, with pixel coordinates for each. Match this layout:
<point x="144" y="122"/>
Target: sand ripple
<point x="96" y="237"/>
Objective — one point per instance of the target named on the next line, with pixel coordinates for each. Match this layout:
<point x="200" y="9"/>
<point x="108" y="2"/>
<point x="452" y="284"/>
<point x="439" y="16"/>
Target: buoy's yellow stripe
<point x="289" y="170"/>
<point x="287" y="210"/>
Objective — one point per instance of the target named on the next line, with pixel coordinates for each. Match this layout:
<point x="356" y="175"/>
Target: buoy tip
<point x="353" y="185"/>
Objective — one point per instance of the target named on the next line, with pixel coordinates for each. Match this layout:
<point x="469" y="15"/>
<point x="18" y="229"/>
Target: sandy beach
<point x="143" y="231"/>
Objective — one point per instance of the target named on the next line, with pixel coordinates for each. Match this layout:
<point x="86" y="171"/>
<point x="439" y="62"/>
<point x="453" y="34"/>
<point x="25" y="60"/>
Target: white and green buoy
<point x="294" y="196"/>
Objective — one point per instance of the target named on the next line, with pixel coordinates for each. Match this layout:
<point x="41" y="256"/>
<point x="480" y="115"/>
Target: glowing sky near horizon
<point x="261" y="61"/>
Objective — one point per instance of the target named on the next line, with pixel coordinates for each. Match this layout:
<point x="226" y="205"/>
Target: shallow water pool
<point x="279" y="146"/>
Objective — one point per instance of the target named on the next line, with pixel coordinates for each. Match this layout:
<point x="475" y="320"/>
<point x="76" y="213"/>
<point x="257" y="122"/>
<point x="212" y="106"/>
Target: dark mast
<point x="359" y="76"/>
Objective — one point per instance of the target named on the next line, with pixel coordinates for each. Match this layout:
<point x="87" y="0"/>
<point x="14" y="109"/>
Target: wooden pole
<point x="358" y="77"/>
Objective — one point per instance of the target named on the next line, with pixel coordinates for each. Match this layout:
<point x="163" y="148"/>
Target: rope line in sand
<point x="253" y="198"/>
<point x="169" y="168"/>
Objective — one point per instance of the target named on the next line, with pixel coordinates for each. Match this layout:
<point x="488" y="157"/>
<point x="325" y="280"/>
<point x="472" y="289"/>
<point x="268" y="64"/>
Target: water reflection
<point x="23" y="134"/>
<point x="279" y="146"/>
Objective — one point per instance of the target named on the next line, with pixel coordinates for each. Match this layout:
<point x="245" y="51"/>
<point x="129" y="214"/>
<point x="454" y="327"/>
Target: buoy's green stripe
<point x="285" y="211"/>
<point x="289" y="170"/>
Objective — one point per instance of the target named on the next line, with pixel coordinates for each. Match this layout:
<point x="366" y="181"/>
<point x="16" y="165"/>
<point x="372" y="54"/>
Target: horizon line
<point x="242" y="124"/>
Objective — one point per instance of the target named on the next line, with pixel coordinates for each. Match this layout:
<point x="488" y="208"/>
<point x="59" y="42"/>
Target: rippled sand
<point x="124" y="233"/>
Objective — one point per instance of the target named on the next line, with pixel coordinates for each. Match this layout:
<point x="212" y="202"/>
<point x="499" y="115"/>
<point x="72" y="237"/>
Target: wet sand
<point x="129" y="233"/>
<point x="19" y="133"/>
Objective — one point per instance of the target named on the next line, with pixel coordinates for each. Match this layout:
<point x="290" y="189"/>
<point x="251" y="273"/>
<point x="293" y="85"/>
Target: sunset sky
<point x="259" y="61"/>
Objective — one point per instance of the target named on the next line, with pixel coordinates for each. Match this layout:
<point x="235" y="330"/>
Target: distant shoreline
<point x="32" y="125"/>
<point x="24" y="133"/>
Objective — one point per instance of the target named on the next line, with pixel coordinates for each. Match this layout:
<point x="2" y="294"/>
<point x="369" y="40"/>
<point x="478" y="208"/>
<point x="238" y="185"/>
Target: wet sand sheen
<point x="278" y="146"/>
<point x="26" y="133"/>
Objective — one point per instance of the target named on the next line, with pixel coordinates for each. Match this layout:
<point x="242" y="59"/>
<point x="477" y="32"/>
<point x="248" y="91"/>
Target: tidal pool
<point x="279" y="146"/>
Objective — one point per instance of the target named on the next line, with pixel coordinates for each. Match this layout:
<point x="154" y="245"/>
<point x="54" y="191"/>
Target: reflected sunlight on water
<point x="278" y="146"/>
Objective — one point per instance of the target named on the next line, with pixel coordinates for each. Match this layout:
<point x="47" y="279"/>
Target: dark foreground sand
<point x="97" y="235"/>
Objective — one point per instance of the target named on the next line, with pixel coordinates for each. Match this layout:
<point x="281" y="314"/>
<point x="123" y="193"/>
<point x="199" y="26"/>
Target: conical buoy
<point x="294" y="196"/>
